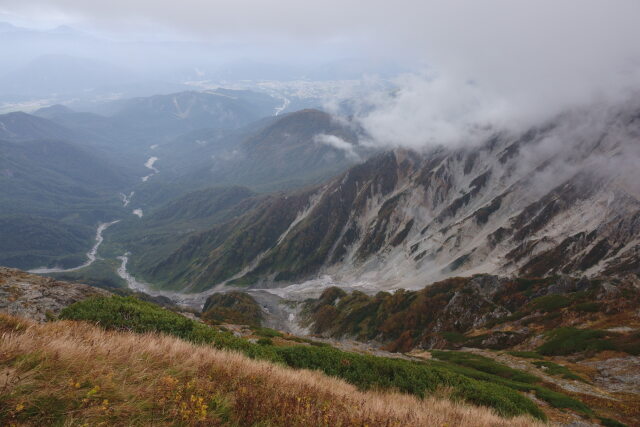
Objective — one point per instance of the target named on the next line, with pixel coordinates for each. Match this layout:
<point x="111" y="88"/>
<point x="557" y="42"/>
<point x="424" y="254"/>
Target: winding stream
<point x="195" y="301"/>
<point x="278" y="315"/>
<point x="91" y="255"/>
<point x="285" y="104"/>
<point x="132" y="283"/>
<point x="126" y="199"/>
<point x="149" y="165"/>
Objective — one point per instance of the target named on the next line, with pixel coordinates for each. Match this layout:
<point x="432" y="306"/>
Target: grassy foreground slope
<point x="364" y="371"/>
<point x="72" y="373"/>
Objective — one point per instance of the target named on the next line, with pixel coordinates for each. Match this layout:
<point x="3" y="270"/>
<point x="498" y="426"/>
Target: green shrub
<point x="232" y="307"/>
<point x="558" y="370"/>
<point x="549" y="303"/>
<point x="131" y="314"/>
<point x="484" y="364"/>
<point x="464" y="367"/>
<point x="629" y="343"/>
<point x="264" y="341"/>
<point x="364" y="371"/>
<point x="454" y="337"/>
<point x="608" y="422"/>
<point x="416" y="378"/>
<point x="563" y="341"/>
<point x="266" y="332"/>
<point x="526" y="354"/>
<point x="587" y="307"/>
<point x="559" y="400"/>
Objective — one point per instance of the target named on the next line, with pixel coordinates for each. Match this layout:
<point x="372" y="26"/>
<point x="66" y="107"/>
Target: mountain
<point x="58" y="74"/>
<point x="115" y="141"/>
<point x="53" y="194"/>
<point x="21" y="126"/>
<point x="93" y="127"/>
<point x="32" y="241"/>
<point x="509" y="312"/>
<point x="559" y="198"/>
<point x="54" y="172"/>
<point x="128" y="130"/>
<point x="300" y="143"/>
<point x="233" y="244"/>
<point x="291" y="151"/>
<point x="190" y="156"/>
<point x="164" y="229"/>
<point x="171" y="115"/>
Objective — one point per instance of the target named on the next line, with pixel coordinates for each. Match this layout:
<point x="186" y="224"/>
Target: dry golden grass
<point x="74" y="373"/>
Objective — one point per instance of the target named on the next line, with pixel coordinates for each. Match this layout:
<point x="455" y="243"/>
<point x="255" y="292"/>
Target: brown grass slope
<point x="72" y="373"/>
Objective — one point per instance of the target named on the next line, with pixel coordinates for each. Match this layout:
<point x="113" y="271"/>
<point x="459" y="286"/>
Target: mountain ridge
<point x="508" y="206"/>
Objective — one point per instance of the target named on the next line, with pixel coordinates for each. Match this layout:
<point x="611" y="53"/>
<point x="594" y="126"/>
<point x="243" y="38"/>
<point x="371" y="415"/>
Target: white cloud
<point x="425" y="110"/>
<point x="527" y="60"/>
<point x="338" y="143"/>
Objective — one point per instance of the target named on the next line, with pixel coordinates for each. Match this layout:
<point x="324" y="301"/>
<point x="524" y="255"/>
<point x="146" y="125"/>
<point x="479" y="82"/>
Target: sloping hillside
<point x="133" y="362"/>
<point x="20" y="126"/>
<point x="294" y="150"/>
<point x="484" y="311"/>
<point x="562" y="197"/>
<point x="53" y="195"/>
<point x="173" y="114"/>
<point x="78" y="373"/>
<point x="77" y="369"/>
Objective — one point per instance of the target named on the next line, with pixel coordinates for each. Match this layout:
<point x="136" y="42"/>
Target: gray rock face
<point x="39" y="298"/>
<point x="620" y="374"/>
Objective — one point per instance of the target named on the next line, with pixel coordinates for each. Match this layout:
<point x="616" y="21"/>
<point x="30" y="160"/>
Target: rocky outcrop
<point x="232" y="307"/>
<point x="482" y="311"/>
<point x="37" y="297"/>
<point x="619" y="374"/>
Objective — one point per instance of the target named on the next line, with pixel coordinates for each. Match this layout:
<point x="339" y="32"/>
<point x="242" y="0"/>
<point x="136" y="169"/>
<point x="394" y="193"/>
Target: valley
<point x="395" y="219"/>
<point x="411" y="214"/>
<point x="91" y="255"/>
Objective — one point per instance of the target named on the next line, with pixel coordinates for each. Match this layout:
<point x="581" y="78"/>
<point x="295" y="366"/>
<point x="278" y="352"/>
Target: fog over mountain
<point x="182" y="98"/>
<point x="348" y="187"/>
<point x="497" y="61"/>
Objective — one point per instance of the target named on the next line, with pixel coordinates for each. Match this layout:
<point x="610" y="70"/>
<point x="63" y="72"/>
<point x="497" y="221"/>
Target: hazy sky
<point x="483" y="60"/>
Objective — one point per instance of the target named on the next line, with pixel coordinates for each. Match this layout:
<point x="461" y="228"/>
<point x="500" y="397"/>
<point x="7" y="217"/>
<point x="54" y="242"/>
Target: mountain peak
<point x="53" y="111"/>
<point x="22" y="126"/>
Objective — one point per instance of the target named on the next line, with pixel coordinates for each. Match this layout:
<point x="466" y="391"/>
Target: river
<point x="195" y="301"/>
<point x="92" y="255"/>
<point x="278" y="315"/>
<point x="149" y="165"/>
<point x="285" y="104"/>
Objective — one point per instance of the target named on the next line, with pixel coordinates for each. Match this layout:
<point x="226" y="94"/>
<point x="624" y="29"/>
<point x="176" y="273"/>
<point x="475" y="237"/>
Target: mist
<point x="459" y="69"/>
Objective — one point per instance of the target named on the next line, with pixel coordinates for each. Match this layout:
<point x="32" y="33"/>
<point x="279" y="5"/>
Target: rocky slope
<point x="39" y="298"/>
<point x="486" y="311"/>
<point x="562" y="197"/>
